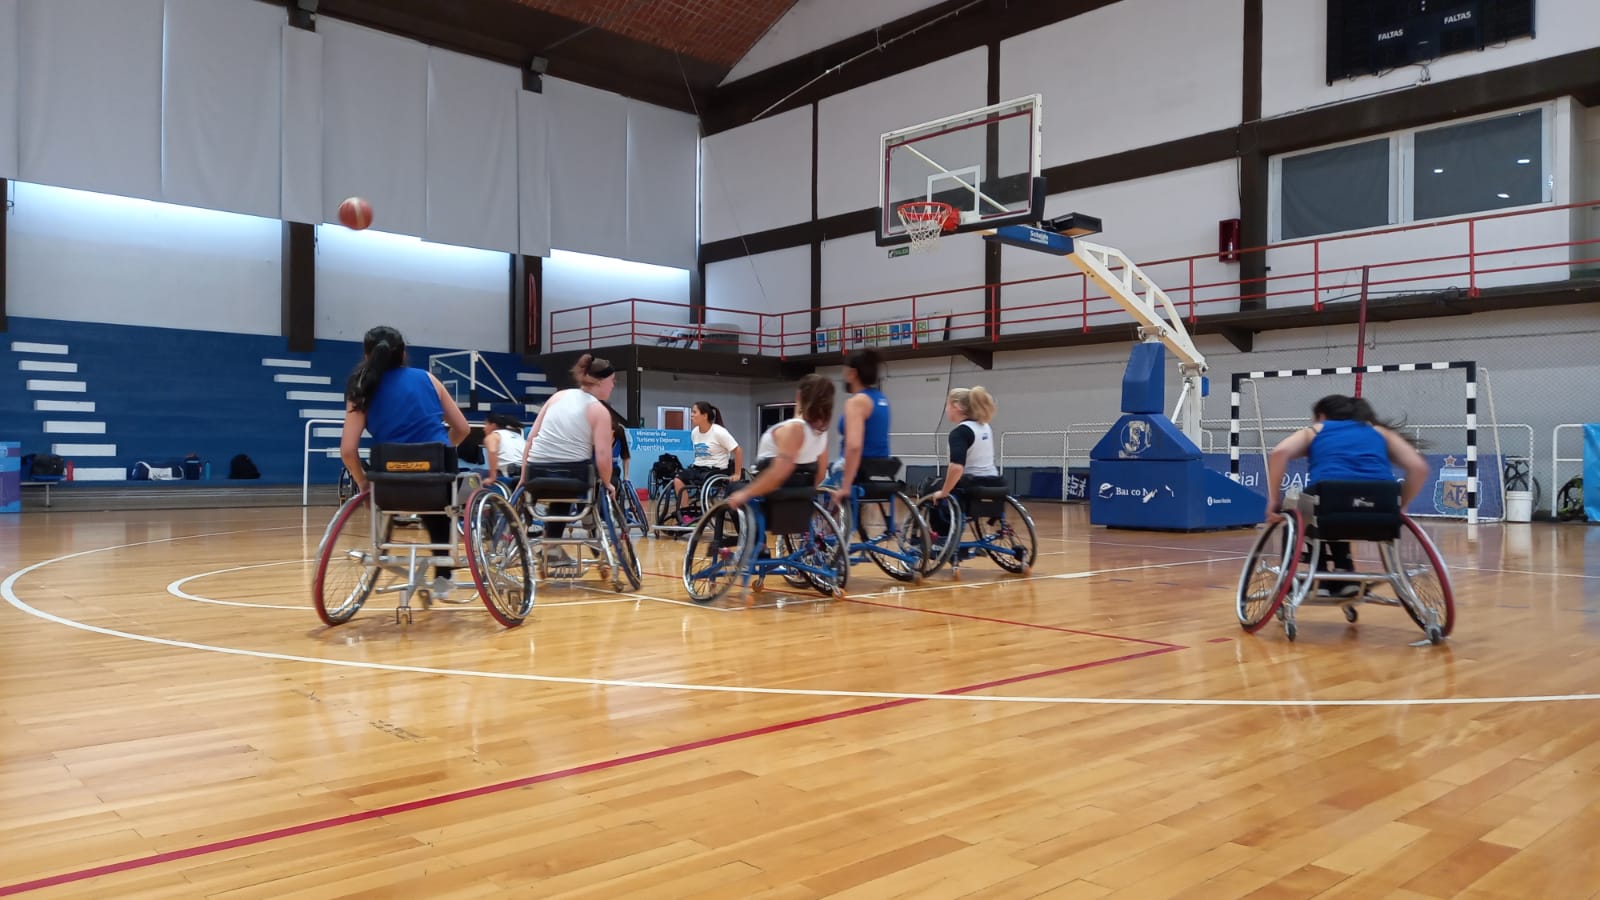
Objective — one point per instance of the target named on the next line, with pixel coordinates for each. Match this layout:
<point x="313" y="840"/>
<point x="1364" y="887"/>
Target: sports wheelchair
<point x="1413" y="577"/>
<point x="893" y="534"/>
<point x="1000" y="527"/>
<point x="673" y="515"/>
<point x="592" y="510"/>
<point x="787" y="533"/>
<point x="359" y="557"/>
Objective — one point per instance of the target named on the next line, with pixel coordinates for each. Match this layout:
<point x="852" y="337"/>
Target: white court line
<point x="7" y="590"/>
<point x="1066" y="576"/>
<point x="1524" y="572"/>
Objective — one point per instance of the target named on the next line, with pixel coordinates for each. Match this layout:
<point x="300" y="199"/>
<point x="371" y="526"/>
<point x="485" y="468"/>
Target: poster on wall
<point x="645" y="445"/>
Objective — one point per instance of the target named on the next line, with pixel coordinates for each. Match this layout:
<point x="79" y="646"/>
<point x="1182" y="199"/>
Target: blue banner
<point x="1591" y="472"/>
<point x="10" y="477"/>
<point x="646" y="444"/>
<point x="1445" y="494"/>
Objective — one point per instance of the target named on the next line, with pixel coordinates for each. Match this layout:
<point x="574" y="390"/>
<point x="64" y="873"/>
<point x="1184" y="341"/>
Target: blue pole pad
<point x="1032" y="238"/>
<point x="1143" y="386"/>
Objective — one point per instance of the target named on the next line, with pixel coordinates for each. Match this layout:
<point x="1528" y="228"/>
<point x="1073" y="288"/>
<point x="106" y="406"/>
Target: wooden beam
<point x="983" y="359"/>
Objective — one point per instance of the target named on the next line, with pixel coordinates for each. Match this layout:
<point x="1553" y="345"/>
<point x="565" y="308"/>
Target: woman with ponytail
<point x="573" y="432"/>
<point x="714" y="448"/>
<point x="971" y="441"/>
<point x="397" y="404"/>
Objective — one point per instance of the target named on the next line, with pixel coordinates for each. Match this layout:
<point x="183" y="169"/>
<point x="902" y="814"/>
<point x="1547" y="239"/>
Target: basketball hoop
<point x="926" y="220"/>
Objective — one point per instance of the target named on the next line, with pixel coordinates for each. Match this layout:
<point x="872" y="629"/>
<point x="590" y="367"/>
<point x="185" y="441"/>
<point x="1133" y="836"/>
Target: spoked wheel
<point x="1425" y="589"/>
<point x="666" y="507"/>
<point x="718" y="553"/>
<point x="822" y="547"/>
<point x="633" y="510"/>
<point x="498" y="557"/>
<point x="1269" y="572"/>
<point x="347" y="486"/>
<point x="347" y="562"/>
<point x="896" y="536"/>
<point x="623" y="562"/>
<point x="1009" y="541"/>
<point x="943" y="520"/>
<point x="467" y="484"/>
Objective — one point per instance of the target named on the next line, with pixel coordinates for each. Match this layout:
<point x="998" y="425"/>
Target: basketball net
<point x="926" y="221"/>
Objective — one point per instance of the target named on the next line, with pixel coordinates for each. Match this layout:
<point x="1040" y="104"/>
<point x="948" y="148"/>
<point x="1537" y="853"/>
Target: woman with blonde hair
<point x="971" y="441"/>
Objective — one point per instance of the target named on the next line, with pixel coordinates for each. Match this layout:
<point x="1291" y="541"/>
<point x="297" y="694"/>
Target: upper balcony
<point x="1523" y="258"/>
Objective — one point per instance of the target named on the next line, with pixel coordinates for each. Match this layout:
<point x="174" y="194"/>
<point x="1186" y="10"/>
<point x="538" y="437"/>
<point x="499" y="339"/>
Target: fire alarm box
<point x="1228" y="240"/>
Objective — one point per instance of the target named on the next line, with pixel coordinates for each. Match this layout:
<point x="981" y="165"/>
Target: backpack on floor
<point x="241" y="467"/>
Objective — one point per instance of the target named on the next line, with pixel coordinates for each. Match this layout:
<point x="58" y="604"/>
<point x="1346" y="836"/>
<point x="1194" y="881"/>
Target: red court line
<point x="956" y="615"/>
<point x="454" y="796"/>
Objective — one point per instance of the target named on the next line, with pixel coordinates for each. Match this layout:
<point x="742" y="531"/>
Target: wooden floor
<point x="175" y="721"/>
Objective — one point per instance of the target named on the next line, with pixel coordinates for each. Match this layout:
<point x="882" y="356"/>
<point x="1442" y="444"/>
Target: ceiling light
<point x="1438" y="171"/>
<point x="1503" y="196"/>
<point x="1524" y="162"/>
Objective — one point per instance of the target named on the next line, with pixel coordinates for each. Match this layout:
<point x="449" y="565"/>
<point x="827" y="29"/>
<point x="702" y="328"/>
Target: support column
<point x="993" y="271"/>
<point x="527" y="319"/>
<point x="5" y="225"/>
<point x="299" y="279"/>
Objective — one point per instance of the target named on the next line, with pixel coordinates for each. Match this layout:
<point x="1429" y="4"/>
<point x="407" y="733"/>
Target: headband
<point x="602" y="372"/>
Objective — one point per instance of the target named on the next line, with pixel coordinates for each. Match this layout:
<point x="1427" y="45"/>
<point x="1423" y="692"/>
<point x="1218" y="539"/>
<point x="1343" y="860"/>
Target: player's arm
<point x="600" y="433"/>
<point x="1290" y="448"/>
<point x="856" y="411"/>
<point x="960" y="442"/>
<point x="454" y="420"/>
<point x="355" y="422"/>
<point x="1402" y="454"/>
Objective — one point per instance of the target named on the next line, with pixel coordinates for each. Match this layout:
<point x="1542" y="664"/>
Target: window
<point x="1339" y="189"/>
<point x="1479" y="166"/>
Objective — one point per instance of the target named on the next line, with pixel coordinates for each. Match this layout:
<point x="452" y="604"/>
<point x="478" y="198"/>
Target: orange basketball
<point x="355" y="213"/>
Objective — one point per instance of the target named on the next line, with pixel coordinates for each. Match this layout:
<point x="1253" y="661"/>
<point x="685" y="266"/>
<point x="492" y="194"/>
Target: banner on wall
<point x="1444" y="495"/>
<point x="1591" y="472"/>
<point x="646" y="444"/>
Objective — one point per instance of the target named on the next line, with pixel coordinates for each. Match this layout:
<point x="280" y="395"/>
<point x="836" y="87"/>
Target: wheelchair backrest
<point x="879" y="477"/>
<point x="413" y="477"/>
<point x="985" y="495"/>
<point x="788" y="509"/>
<point x="1356" y="510"/>
<point x="542" y="486"/>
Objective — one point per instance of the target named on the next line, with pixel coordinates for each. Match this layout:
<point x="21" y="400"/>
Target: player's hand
<point x="738" y="499"/>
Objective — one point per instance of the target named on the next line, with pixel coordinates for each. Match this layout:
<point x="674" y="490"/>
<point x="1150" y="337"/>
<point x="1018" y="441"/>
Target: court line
<point x="8" y="593"/>
<point x="1064" y="576"/>
<point x="957" y="615"/>
<point x="518" y="783"/>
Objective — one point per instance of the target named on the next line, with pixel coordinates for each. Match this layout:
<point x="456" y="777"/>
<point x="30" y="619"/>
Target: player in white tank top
<point x="574" y="430"/>
<point x="971" y="441"/>
<point x="503" y="446"/>
<point x="802" y="440"/>
<point x="564" y="432"/>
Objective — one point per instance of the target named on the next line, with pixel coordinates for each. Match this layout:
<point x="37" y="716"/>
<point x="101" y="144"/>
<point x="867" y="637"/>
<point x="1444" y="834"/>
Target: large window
<point x="1430" y="173"/>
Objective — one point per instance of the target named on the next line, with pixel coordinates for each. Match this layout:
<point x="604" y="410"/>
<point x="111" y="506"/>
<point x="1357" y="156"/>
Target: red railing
<point x="1469" y="253"/>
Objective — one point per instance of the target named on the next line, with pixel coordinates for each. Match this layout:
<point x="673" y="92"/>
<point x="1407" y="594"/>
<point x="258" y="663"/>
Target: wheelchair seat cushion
<point x="984" y="496"/>
<point x="788" y="508"/>
<point x="557" y="489"/>
<point x="412" y="477"/>
<point x="1355" y="510"/>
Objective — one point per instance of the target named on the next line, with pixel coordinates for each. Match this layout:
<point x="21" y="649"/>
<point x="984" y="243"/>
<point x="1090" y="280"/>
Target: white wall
<point x="89" y="257"/>
<point x="1131" y="74"/>
<point x="575" y="283"/>
<point x="850" y="125"/>
<point x="1294" y="58"/>
<point x="813" y="24"/>
<point x="757" y="176"/>
<point x="436" y="294"/>
<point x="776" y="282"/>
<point x="946" y="281"/>
<point x="731" y="395"/>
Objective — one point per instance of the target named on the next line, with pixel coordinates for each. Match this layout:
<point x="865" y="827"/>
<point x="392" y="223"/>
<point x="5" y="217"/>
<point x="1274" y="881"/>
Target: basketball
<point x="355" y="213"/>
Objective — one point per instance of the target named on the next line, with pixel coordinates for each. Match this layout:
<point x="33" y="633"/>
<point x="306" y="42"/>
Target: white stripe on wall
<point x="84" y="449"/>
<point x="74" y="428"/>
<point x="532" y="376"/>
<point x="316" y="396"/>
<point x="63" y="406"/>
<point x="327" y="432"/>
<point x="26" y="347"/>
<point x="322" y="414"/>
<point x="98" y="474"/>
<point x="34" y="365"/>
<point x="69" y="387"/>
<point x="302" y="379"/>
<point x="287" y="363"/>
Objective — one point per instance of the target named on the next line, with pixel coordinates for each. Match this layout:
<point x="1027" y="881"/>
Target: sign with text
<point x="645" y="445"/>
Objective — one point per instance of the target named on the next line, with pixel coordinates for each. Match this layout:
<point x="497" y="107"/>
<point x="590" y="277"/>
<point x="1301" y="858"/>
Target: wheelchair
<point x="893" y="534"/>
<point x="595" y="513"/>
<point x="1000" y="528"/>
<point x="358" y="556"/>
<point x="788" y="533"/>
<point x="1414" y="576"/>
<point x="633" y="515"/>
<point x="670" y="513"/>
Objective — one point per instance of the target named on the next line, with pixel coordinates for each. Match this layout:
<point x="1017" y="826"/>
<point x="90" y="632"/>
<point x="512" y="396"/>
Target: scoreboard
<point x="1370" y="36"/>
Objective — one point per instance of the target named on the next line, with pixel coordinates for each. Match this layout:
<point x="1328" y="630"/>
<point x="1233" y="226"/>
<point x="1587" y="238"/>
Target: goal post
<point x="1438" y="408"/>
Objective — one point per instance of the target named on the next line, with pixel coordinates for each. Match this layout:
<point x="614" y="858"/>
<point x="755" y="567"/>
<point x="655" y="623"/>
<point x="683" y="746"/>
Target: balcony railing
<point x="1518" y="247"/>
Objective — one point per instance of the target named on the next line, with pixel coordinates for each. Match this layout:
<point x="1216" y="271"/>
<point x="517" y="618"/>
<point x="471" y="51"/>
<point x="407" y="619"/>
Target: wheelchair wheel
<point x="944" y="523"/>
<point x="714" y="490"/>
<point x="1269" y="572"/>
<point x="896" y="536"/>
<point x="498" y="557"/>
<point x="1424" y="577"/>
<point x="666" y="507"/>
<point x="347" y="564"/>
<point x="633" y="510"/>
<point x="347" y="485"/>
<point x="1010" y="541"/>
<point x="618" y="543"/>
<point x="824" y="547"/>
<point x="718" y="553"/>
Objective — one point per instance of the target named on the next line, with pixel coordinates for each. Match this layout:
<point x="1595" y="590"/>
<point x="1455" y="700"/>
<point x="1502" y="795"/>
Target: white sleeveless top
<point x="810" y="448"/>
<point x="980" y="456"/>
<point x="565" y="435"/>
<point x="512" y="443"/>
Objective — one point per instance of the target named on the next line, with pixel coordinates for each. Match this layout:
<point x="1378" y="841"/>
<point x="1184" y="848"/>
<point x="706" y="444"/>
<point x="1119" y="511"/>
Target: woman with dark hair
<point x="397" y="404"/>
<point x="572" y="432"/>
<point x="503" y="447"/>
<point x="865" y="423"/>
<point x="1346" y="441"/>
<point x="799" y="441"/>
<point x="713" y="446"/>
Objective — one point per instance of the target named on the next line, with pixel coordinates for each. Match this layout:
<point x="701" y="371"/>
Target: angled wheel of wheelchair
<point x="633" y="510"/>
<point x="1010" y="541"/>
<point x="944" y="521"/>
<point x="498" y="557"/>
<point x="821" y="547"/>
<point x="1269" y="572"/>
<point x="714" y="490"/>
<point x="718" y="553"/>
<point x="895" y="536"/>
<point x="626" y="574"/>
<point x="347" y="485"/>
<point x="1424" y="577"/>
<point x="467" y="484"/>
<point x="347" y="565"/>
<point x="666" y="507"/>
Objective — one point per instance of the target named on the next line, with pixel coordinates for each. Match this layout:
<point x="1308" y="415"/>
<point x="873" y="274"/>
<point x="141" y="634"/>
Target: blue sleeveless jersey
<point x="1349" y="451"/>
<point x="875" y="431"/>
<point x="405" y="409"/>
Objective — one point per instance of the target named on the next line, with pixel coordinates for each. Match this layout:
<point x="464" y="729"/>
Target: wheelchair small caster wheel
<point x="758" y="586"/>
<point x="1290" y="630"/>
<point x="1350" y="614"/>
<point x="1027" y="570"/>
<point x="955" y="574"/>
<point x="1435" y="634"/>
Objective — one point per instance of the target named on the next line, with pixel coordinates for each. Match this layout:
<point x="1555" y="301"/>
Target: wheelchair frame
<point x="912" y="557"/>
<point x="669" y="512"/>
<point x="352" y="565"/>
<point x="605" y="532"/>
<point x="818" y="559"/>
<point x="1009" y="555"/>
<point x="1271" y="583"/>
